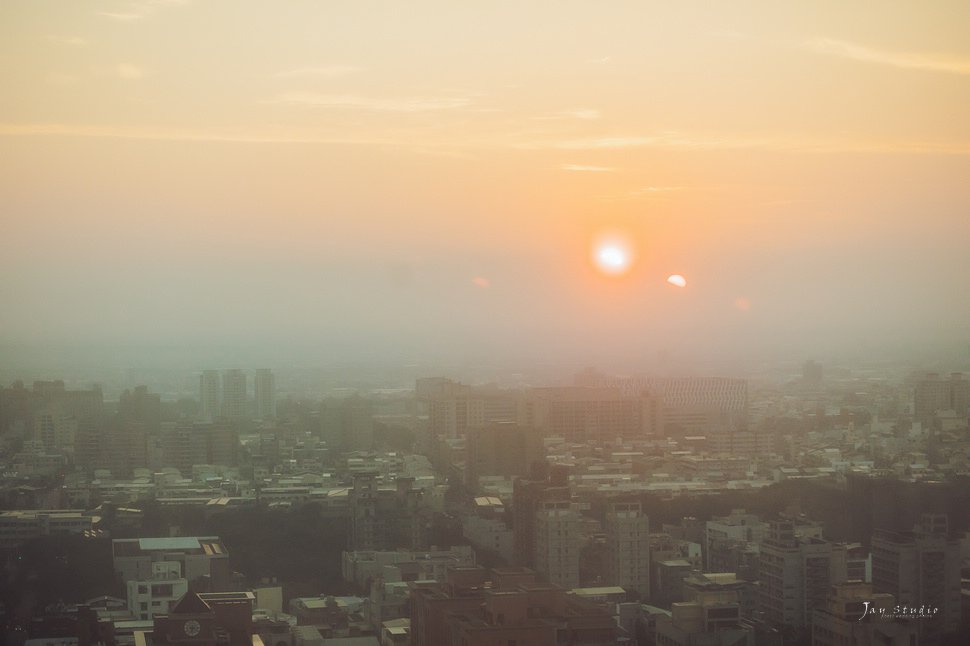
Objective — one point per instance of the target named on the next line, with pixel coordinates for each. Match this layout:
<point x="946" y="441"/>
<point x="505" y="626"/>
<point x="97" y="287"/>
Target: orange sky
<point x="429" y="175"/>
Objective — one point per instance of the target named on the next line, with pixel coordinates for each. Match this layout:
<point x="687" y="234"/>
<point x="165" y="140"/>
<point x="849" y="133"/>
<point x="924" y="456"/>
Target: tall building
<point x="385" y="519"/>
<point x="265" y="394"/>
<point x="628" y="548"/>
<point x="557" y="533"/>
<point x="795" y="575"/>
<point x="579" y="413"/>
<point x="933" y="394"/>
<point x="500" y="449"/>
<point x="921" y="568"/>
<point x="235" y="404"/>
<point x="210" y="395"/>
<point x="850" y="618"/>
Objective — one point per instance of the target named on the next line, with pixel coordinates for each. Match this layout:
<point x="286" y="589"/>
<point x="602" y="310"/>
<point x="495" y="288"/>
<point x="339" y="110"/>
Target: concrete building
<point x="476" y="607"/>
<point x="921" y="568"/>
<point x="198" y="558"/>
<point x="235" y="395"/>
<point x="851" y="617"/>
<point x="385" y="518"/>
<point x="627" y="530"/>
<point x="500" y="449"/>
<point x="710" y="618"/>
<point x="558" y="541"/>
<point x="579" y="413"/>
<point x="18" y="527"/>
<point x="934" y="393"/>
<point x="265" y="386"/>
<point x="210" y="395"/>
<point x="795" y="575"/>
<point x="158" y="593"/>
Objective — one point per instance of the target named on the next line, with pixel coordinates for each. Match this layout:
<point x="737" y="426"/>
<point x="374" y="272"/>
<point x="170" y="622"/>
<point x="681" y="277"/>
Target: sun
<point x="612" y="255"/>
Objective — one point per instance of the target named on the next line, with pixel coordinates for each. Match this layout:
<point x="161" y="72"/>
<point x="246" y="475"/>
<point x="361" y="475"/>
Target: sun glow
<point x="612" y="256"/>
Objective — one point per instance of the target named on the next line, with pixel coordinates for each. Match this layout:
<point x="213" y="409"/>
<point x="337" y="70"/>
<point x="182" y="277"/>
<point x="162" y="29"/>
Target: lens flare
<point x="677" y="280"/>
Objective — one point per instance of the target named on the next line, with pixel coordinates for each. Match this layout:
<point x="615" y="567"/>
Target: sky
<point x="429" y="179"/>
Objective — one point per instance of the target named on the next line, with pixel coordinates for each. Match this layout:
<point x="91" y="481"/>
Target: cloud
<point x="140" y="9"/>
<point x="350" y="101"/>
<point x="585" y="114"/>
<point x="654" y="190"/>
<point x="130" y="72"/>
<point x="587" y="169"/>
<point x="606" y="142"/>
<point x="905" y="60"/>
<point x="325" y="71"/>
<point x="75" y="41"/>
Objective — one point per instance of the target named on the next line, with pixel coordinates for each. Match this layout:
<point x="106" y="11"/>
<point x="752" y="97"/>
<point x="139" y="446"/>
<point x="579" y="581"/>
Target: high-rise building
<point x="557" y="533"/>
<point x="850" y="617"/>
<point x="579" y="413"/>
<point x="933" y="394"/>
<point x="795" y="575"/>
<point x="628" y="548"/>
<point x="235" y="404"/>
<point x="210" y="395"/>
<point x="500" y="449"/>
<point x="265" y="394"/>
<point x="921" y="568"/>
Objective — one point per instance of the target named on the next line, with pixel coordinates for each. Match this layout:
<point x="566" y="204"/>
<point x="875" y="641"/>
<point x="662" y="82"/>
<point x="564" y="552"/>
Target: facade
<point x="795" y="575"/>
<point x="197" y="557"/>
<point x="18" y="527"/>
<point x="579" y="413"/>
<point x="159" y="593"/>
<point x="934" y="393"/>
<point x="557" y="530"/>
<point x="845" y="619"/>
<point x="628" y="548"/>
<point x="921" y="568"/>
<point x="265" y="386"/>
<point x="500" y="449"/>
<point x="210" y="395"/>
<point x="235" y="394"/>
<point x="385" y="518"/>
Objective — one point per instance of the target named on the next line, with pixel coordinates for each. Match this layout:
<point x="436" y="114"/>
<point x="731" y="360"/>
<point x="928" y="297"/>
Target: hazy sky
<point x="427" y="178"/>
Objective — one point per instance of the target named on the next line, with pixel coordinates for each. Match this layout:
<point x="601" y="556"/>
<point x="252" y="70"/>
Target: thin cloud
<point x="606" y="142"/>
<point x="140" y="9"/>
<point x="354" y="102"/>
<point x="75" y="41"/>
<point x="587" y="169"/>
<point x="904" y="60"/>
<point x="130" y="72"/>
<point x="324" y="71"/>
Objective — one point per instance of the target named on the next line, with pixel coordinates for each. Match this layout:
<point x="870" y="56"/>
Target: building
<point x="158" y="593"/>
<point x="627" y="530"/>
<point x="210" y="395"/>
<point x="265" y="385"/>
<point x="385" y="518"/>
<point x="199" y="558"/>
<point x="476" y="607"/>
<point x="710" y="618"/>
<point x="578" y="413"/>
<point x="921" y="568"/>
<point x="235" y="395"/>
<point x="18" y="527"/>
<point x="851" y="617"/>
<point x="933" y="394"/>
<point x="557" y="531"/>
<point x="795" y="575"/>
<point x="500" y="449"/>
<point x="205" y="619"/>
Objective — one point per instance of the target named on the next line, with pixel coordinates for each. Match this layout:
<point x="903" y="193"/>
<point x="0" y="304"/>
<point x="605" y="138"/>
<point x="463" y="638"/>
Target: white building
<point x="156" y="594"/>
<point x="265" y="384"/>
<point x="628" y="547"/>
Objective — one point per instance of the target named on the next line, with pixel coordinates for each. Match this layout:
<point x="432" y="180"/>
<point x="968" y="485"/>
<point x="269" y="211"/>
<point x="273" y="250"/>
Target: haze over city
<point x="418" y="181"/>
